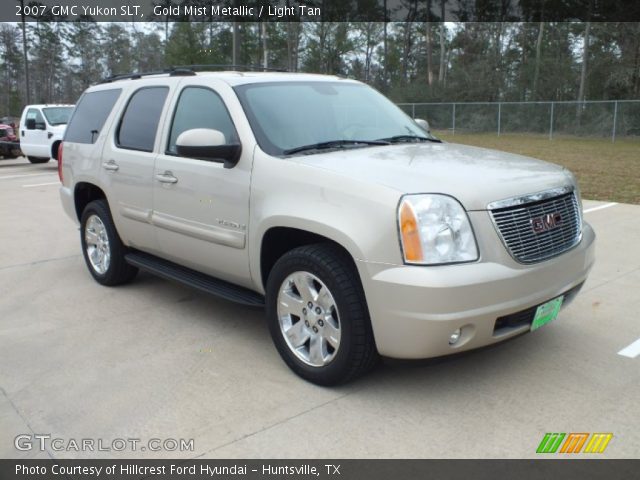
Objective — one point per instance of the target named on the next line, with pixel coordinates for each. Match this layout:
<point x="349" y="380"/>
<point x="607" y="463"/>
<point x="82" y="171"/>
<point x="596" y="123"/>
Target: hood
<point x="475" y="176"/>
<point x="57" y="129"/>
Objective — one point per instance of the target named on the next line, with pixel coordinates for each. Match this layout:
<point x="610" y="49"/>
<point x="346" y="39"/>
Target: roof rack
<point x="247" y="68"/>
<point x="189" y="70"/>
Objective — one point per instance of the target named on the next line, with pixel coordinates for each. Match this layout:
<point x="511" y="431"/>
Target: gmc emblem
<point x="546" y="222"/>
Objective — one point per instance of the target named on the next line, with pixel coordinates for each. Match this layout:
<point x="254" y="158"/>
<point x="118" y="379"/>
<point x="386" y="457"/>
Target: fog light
<point x="455" y="336"/>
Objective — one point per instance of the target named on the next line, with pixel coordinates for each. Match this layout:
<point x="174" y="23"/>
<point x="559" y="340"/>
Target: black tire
<point x="38" y="159"/>
<point x="356" y="353"/>
<point x="54" y="150"/>
<point x="118" y="271"/>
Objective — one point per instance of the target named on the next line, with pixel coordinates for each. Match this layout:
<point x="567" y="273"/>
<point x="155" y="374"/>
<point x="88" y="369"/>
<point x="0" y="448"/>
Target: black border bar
<point x="566" y="469"/>
<point x="322" y="10"/>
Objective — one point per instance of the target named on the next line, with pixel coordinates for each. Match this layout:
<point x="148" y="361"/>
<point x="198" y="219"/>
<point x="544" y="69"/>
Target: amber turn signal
<point x="410" y="234"/>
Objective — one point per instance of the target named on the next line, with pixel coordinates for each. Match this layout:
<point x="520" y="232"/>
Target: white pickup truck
<point x="41" y="130"/>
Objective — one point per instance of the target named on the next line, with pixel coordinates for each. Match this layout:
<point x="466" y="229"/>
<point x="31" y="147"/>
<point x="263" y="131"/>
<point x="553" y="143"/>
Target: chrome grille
<point x="518" y="224"/>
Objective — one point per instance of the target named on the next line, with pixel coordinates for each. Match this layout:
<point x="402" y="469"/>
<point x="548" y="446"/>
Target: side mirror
<point x="423" y="124"/>
<point x="208" y="144"/>
<point x="31" y="123"/>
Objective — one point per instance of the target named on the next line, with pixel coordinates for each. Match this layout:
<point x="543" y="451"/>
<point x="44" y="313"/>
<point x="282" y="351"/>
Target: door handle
<point x="111" y="165"/>
<point x="166" y="177"/>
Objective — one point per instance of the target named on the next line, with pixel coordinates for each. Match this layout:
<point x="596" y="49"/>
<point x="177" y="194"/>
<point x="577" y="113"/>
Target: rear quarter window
<point x="90" y="115"/>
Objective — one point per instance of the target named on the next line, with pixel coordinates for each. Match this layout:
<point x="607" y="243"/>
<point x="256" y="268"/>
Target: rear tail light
<point x="60" y="163"/>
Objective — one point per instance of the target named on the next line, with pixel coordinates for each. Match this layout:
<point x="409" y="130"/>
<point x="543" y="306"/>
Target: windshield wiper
<point x="409" y="139"/>
<point x="334" y="144"/>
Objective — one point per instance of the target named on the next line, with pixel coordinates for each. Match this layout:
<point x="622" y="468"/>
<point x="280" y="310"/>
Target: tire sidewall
<point x="97" y="208"/>
<point x="337" y="368"/>
<point x="37" y="160"/>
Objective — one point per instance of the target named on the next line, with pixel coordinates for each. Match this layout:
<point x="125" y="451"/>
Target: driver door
<point x="34" y="141"/>
<point x="200" y="208"/>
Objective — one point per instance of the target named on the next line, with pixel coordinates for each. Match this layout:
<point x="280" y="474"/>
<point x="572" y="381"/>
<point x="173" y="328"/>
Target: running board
<point x="199" y="281"/>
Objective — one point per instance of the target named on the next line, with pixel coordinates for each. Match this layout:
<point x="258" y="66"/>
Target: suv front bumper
<point x="415" y="309"/>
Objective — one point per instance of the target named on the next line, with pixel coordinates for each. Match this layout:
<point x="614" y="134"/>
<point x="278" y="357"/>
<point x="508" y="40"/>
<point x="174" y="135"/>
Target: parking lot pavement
<point x="157" y="360"/>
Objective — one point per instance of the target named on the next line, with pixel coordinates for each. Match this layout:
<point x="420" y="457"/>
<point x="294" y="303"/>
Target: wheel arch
<point x="280" y="239"/>
<point x="84" y="193"/>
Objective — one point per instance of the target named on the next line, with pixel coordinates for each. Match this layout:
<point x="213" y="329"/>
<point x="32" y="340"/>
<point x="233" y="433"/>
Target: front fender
<point x="358" y="215"/>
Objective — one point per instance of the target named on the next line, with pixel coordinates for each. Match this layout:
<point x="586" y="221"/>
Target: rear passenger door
<point x="202" y="213"/>
<point x="128" y="164"/>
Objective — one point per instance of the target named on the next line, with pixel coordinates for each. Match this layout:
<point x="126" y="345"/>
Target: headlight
<point x="435" y="229"/>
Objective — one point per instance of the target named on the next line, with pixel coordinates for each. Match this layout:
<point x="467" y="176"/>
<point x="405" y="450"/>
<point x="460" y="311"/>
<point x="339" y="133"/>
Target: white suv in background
<point x="317" y="198"/>
<point x="41" y="130"/>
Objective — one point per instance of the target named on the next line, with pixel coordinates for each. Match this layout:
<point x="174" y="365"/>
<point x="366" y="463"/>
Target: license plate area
<point x="546" y="313"/>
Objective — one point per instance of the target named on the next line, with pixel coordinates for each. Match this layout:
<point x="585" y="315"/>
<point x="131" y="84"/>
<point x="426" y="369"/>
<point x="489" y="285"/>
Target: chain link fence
<point x="602" y="118"/>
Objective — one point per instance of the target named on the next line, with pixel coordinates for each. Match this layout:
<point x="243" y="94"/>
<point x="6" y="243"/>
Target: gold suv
<point x="315" y="197"/>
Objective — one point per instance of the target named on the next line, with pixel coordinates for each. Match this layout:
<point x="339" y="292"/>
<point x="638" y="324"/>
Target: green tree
<point x="118" y="58"/>
<point x="11" y="70"/>
<point x="187" y="44"/>
<point x="327" y="47"/>
<point x="86" y="52"/>
<point x="147" y="52"/>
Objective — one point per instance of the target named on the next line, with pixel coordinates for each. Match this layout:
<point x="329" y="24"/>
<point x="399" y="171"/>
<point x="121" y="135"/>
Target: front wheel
<point x="318" y="316"/>
<point x="38" y="159"/>
<point x="102" y="248"/>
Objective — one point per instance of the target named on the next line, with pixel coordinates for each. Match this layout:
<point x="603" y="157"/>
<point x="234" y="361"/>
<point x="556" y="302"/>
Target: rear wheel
<point x="54" y="150"/>
<point x="38" y="159"/>
<point x="102" y="248"/>
<point x="318" y="315"/>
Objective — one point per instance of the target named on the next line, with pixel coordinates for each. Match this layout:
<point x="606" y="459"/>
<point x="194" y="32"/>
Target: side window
<point x="89" y="116"/>
<point x="35" y="114"/>
<point x="199" y="107"/>
<point x="139" y="123"/>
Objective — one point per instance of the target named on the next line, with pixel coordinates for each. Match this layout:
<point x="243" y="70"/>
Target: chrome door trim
<point x="208" y="233"/>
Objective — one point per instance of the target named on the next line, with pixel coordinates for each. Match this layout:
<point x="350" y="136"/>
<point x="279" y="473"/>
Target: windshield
<point x="57" y="115"/>
<point x="288" y="115"/>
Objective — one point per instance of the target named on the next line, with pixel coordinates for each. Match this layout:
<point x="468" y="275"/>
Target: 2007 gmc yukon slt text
<point x="360" y="233"/>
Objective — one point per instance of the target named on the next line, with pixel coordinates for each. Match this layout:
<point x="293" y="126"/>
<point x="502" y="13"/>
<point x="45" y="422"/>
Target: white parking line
<point x="600" y="207"/>
<point x="632" y="351"/>
<point x="40" y="184"/>
<point x="9" y="177"/>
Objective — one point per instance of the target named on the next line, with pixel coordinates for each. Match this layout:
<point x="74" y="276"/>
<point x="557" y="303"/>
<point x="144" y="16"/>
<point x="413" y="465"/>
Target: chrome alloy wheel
<point x="97" y="244"/>
<point x="309" y="319"/>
